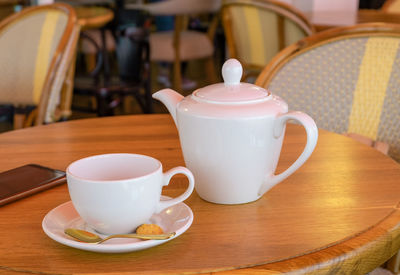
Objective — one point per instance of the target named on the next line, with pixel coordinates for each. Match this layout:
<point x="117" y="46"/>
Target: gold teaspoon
<point x="89" y="237"/>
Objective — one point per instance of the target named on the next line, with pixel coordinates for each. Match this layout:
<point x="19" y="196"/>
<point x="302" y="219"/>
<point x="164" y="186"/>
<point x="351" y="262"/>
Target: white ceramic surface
<point x="115" y="193"/>
<point x="45" y="2"/>
<point x="231" y="136"/>
<point x="177" y="218"/>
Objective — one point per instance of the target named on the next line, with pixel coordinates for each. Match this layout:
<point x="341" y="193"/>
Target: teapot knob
<point x="232" y="72"/>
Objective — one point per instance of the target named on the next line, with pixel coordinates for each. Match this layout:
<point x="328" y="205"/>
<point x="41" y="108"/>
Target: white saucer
<point x="177" y="218"/>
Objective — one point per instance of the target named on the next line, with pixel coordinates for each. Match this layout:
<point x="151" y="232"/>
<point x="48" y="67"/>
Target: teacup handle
<point x="167" y="177"/>
<point x="312" y="137"/>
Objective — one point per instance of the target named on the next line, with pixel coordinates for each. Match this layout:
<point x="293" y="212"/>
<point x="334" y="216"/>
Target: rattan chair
<point x="347" y="79"/>
<point x="256" y="30"/>
<point x="37" y="46"/>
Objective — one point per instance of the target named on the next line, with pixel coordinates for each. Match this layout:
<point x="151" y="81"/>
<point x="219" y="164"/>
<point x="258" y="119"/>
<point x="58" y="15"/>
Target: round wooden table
<point x="338" y="213"/>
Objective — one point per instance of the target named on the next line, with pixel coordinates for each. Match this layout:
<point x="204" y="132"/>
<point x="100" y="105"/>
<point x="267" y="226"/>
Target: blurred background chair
<point x="37" y="46"/>
<point x="183" y="44"/>
<point x="123" y="40"/>
<point x="347" y="79"/>
<point x="93" y="16"/>
<point x="96" y="37"/>
<point x="256" y="30"/>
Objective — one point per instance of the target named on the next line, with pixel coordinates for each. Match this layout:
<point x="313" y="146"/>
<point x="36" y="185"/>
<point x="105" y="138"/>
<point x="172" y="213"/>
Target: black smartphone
<point x="27" y="180"/>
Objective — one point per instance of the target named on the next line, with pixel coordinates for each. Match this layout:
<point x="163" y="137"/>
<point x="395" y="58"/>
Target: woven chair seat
<point x="87" y="47"/>
<point x="194" y="45"/>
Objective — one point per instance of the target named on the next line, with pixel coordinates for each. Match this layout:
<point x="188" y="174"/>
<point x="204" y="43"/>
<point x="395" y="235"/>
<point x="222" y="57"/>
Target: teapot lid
<point x="231" y="91"/>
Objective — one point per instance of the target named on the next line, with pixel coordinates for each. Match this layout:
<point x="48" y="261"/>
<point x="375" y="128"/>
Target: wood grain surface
<point x="338" y="213"/>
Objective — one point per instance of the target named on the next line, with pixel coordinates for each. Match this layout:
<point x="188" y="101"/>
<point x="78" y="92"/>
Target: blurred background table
<point x="88" y="2"/>
<point x="366" y="16"/>
<point x="338" y="213"/>
<point x="93" y="17"/>
<point x="323" y="20"/>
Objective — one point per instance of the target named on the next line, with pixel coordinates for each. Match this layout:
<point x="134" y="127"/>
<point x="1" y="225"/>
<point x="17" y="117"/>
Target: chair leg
<point x="148" y="99"/>
<point x="148" y="102"/>
<point x="394" y="263"/>
<point x="19" y="121"/>
<point x="90" y="60"/>
<point x="103" y="98"/>
<point x="210" y="69"/>
<point x="126" y="104"/>
<point x="31" y="117"/>
<point x="25" y="117"/>
<point x="177" y="76"/>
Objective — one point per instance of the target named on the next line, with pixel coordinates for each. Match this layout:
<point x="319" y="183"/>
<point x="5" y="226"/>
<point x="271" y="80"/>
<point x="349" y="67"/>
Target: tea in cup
<point x="115" y="193"/>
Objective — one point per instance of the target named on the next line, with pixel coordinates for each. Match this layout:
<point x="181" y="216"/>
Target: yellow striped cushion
<point x="370" y="90"/>
<point x="44" y="53"/>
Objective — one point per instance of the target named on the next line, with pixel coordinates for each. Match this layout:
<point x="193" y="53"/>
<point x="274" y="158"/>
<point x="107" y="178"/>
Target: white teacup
<point x="115" y="193"/>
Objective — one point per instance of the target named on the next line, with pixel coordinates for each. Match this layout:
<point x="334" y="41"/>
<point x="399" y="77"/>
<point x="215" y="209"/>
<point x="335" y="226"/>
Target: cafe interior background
<point x="123" y="51"/>
<point x="120" y="68"/>
<point x="128" y="50"/>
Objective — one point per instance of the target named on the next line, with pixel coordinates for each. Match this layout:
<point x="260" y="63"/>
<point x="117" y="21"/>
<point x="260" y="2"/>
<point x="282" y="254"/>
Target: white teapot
<point x="231" y="136"/>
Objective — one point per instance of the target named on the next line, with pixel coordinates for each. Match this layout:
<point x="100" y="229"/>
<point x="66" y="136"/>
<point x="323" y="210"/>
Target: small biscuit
<point x="149" y="229"/>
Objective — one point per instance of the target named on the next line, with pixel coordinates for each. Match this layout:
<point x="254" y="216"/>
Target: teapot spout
<point x="170" y="99"/>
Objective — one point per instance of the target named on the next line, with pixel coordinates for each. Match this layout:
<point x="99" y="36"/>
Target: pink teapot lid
<point x="232" y="99"/>
<point x="231" y="91"/>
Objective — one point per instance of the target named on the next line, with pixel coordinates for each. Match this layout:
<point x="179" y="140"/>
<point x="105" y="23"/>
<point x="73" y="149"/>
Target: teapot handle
<point x="312" y="137"/>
